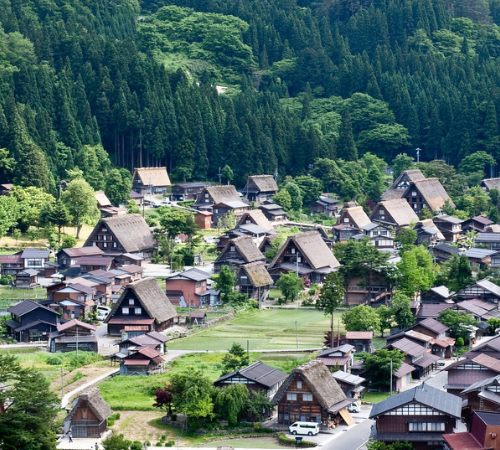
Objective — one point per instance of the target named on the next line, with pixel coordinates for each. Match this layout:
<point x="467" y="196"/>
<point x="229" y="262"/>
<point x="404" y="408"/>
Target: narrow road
<point x="352" y="439"/>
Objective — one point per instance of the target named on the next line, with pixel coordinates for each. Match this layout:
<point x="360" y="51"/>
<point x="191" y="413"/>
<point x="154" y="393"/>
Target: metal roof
<point x="446" y="248"/>
<point x="347" y="377"/>
<point x="191" y="274"/>
<point x="35" y="253"/>
<point x="488" y="237"/>
<point x="27" y="306"/>
<point x="259" y="372"/>
<point x="478" y="252"/>
<point x="424" y="394"/>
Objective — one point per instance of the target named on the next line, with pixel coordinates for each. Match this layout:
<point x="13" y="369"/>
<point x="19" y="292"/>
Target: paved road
<point x="353" y="438"/>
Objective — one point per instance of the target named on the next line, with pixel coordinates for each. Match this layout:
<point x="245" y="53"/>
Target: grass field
<point x="260" y="442"/>
<point x="21" y="294"/>
<point x="375" y="397"/>
<point x="263" y="330"/>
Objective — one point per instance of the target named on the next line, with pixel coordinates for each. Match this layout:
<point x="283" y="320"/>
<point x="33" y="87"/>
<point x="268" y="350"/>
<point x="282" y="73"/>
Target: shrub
<point x="77" y="376"/>
<point x="282" y="439"/>
<point x="169" y="444"/>
<point x="460" y="341"/>
<point x="54" y="360"/>
<point x="136" y="445"/>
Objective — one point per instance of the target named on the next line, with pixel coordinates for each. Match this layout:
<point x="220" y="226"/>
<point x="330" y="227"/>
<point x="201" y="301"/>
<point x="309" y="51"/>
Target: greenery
<point x="361" y="318"/>
<point x="236" y="358"/>
<point x="460" y="323"/>
<point x="331" y="296"/>
<point x="290" y="284"/>
<point x="377" y="366"/>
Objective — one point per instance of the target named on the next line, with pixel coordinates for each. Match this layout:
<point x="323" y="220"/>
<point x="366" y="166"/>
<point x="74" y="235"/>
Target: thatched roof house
<point x="260" y="188"/>
<point x="401" y="183"/>
<point x="432" y="192"/>
<point x="306" y="253"/>
<point x="311" y="391"/>
<point x="154" y="178"/>
<point x="353" y="215"/>
<point x="214" y="195"/>
<point x="87" y="418"/>
<point x="397" y="213"/>
<point x="255" y="217"/>
<point x="102" y="199"/>
<point x="490" y="183"/>
<point x="126" y="234"/>
<point x="238" y="251"/>
<point x="142" y="304"/>
<point x="254" y="280"/>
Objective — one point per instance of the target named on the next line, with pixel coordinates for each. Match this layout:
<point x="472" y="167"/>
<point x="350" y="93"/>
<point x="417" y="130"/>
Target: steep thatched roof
<point x="491" y="183"/>
<point x="102" y="199"/>
<point x="399" y="210"/>
<point x="257" y="274"/>
<point x="319" y="379"/>
<point x="219" y="194"/>
<point x="152" y="298"/>
<point x="261" y="183"/>
<point x="313" y="248"/>
<point x="429" y="223"/>
<point x="130" y="230"/>
<point x="433" y="193"/>
<point x="96" y="403"/>
<point x="257" y="217"/>
<point x="401" y="183"/>
<point x="156" y="176"/>
<point x="245" y="246"/>
<point x="357" y="215"/>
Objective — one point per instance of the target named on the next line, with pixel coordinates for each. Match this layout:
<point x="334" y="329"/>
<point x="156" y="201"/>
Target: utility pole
<point x="296" y="336"/>
<point x="62" y="383"/>
<point x="77" y="343"/>
<point x="391" y="378"/>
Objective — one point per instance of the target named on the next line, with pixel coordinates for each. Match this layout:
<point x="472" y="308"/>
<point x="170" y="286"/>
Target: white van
<point x="309" y="428"/>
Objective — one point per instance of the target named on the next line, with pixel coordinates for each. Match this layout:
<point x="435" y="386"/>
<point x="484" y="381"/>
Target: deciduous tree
<point x="331" y="296"/>
<point x="290" y="284"/>
<point x="361" y="318"/>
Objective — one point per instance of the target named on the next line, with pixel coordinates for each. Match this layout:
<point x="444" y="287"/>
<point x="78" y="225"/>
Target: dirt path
<point x="135" y="427"/>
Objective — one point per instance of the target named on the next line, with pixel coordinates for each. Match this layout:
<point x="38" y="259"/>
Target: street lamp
<point x="418" y="150"/>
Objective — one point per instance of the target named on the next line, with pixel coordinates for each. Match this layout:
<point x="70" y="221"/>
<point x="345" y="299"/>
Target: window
<point x="232" y="248"/>
<point x="414" y="426"/>
<point x="293" y="251"/>
<point x="375" y="233"/>
<point x="299" y="259"/>
<point x="198" y="284"/>
<point x="286" y="416"/>
<point x="307" y="397"/>
<point x="299" y="384"/>
<point x="130" y="301"/>
<point x="346" y="220"/>
<point x="125" y="311"/>
<point x="383" y="233"/>
<point x="413" y="193"/>
<point x="81" y="298"/>
<point x="138" y="311"/>
<point x="105" y="245"/>
<point x="114" y="244"/>
<point x="216" y="211"/>
<point x="290" y="396"/>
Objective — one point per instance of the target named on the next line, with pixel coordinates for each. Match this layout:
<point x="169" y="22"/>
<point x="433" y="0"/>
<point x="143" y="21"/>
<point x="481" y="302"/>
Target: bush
<point x="460" y="342"/>
<point x="169" y="444"/>
<point x="282" y="439"/>
<point x="54" y="360"/>
<point x="173" y="417"/>
<point x="4" y="281"/>
<point x="136" y="445"/>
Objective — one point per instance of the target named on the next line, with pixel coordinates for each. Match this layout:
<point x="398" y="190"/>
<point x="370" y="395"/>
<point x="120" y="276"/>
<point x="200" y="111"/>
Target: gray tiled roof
<point x="258" y="372"/>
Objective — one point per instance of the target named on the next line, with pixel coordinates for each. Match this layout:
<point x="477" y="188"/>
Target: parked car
<point x="102" y="312"/>
<point x="354" y="408"/>
<point x="309" y="428"/>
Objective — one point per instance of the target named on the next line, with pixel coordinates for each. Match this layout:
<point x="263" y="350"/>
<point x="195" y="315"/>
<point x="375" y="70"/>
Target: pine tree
<point x="346" y="147"/>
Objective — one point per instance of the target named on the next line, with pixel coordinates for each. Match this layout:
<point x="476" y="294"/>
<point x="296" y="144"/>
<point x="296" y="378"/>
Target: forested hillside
<point x="96" y="83"/>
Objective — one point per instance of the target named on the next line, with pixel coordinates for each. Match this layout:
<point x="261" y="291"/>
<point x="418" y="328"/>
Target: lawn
<point x="270" y="329"/>
<point x="21" y="294"/>
<point x="375" y="397"/>
<point x="260" y="442"/>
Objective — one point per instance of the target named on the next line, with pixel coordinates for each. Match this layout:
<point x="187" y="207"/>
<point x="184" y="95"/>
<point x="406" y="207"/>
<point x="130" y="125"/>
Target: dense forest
<point x="97" y="83"/>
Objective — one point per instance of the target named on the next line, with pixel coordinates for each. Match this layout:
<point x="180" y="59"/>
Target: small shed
<point x="203" y="220"/>
<point x="26" y="279"/>
<point x="87" y="418"/>
<point x="142" y="361"/>
<point x="197" y="317"/>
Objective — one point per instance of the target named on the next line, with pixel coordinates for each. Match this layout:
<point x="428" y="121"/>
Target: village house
<point x="260" y="188"/>
<point x="419" y="338"/>
<point x="30" y="322"/>
<point x="490" y="183"/>
<point x="484" y="290"/>
<point x="150" y="180"/>
<point x="450" y="226"/>
<point x="191" y="289"/>
<point x="91" y="263"/>
<point x="273" y="212"/>
<point x="306" y="254"/>
<point x="374" y="289"/>
<point x="142" y="361"/>
<point x="442" y="344"/>
<point x="419" y="416"/>
<point x="74" y="300"/>
<point x="481" y="396"/>
<point x="490" y="240"/>
<point x="437" y="294"/>
<point x="402" y="377"/>
<point x="123" y="234"/>
<point x="415" y="355"/>
<point x="11" y="264"/>
<point x="311" y="394"/>
<point x="402" y="183"/>
<point x="142" y="304"/>
<point x="362" y="341"/>
<point x="255" y="217"/>
<point x="444" y="252"/>
<point x="479" y="258"/>
<point x="186" y="191"/>
<point x="254" y="280"/>
<point x="480" y="310"/>
<point x="105" y="206"/>
<point x="88" y="417"/>
<point x="237" y="252"/>
<point x="256" y="377"/>
<point x="490" y="348"/>
<point x="325" y="205"/>
<point x="68" y="257"/>
<point x="153" y="339"/>
<point x="5" y="188"/>
<point x="222" y="209"/>
<point x="380" y="236"/>
<point x="353" y="215"/>
<point x="213" y="195"/>
<point x="266" y="243"/>
<point x="396" y="213"/>
<point x="484" y="429"/>
<point x="430" y="310"/>
<point x="137" y="198"/>
<point x="466" y="372"/>
<point x="203" y="220"/>
<point x="428" y="234"/>
<point x="341" y="357"/>
<point x="478" y="224"/>
<point x="72" y="335"/>
<point x="350" y="384"/>
<point x="26" y="279"/>
<point x="31" y="259"/>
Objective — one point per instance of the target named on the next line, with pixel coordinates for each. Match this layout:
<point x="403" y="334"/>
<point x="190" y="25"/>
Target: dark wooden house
<point x="68" y="257"/>
<point x="483" y="395"/>
<point x="88" y="417"/>
<point x="72" y="335"/>
<point x="26" y="279"/>
<point x="443" y="252"/>
<point x="123" y="234"/>
<point x="353" y="215"/>
<point x="441" y="344"/>
<point x="490" y="240"/>
<point x="362" y="341"/>
<point x="256" y="377"/>
<point x="255" y="217"/>
<point x="484" y="290"/>
<point x="490" y="183"/>
<point x="401" y="184"/>
<point x="484" y="431"/>
<point x="260" y="188"/>
<point x="437" y="294"/>
<point x="450" y="226"/>
<point x="237" y="252"/>
<point x="142" y="361"/>
<point x="415" y="355"/>
<point x="311" y="394"/>
<point x="306" y="254"/>
<point x="274" y="212"/>
<point x="153" y="339"/>
<point x="428" y="234"/>
<point x="466" y="372"/>
<point x="31" y="321"/>
<point x="325" y="205"/>
<point x="341" y="356"/>
<point x="490" y="348"/>
<point x="352" y="385"/>
<point x="143" y="303"/>
<point x="254" y="280"/>
<point x="419" y="416"/>
<point x="186" y="191"/>
<point x="428" y="192"/>
<point x="478" y="224"/>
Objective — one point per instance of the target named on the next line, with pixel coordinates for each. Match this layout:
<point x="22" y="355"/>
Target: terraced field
<point x="264" y="330"/>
